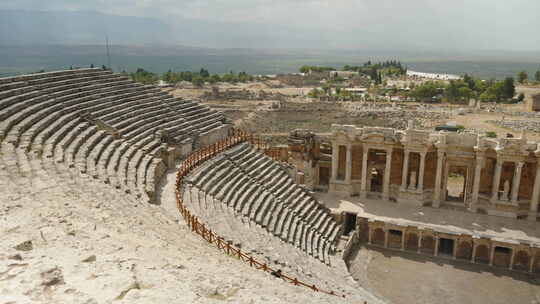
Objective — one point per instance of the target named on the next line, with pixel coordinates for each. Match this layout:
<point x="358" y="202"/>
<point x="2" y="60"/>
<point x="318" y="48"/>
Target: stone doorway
<point x="349" y="223"/>
<point x="456" y="184"/>
<point x="376" y="180"/>
<point x="394" y="238"/>
<point x="446" y="247"/>
<point x="482" y="254"/>
<point x="324" y="176"/>
<point x="502" y="256"/>
<point x="376" y="171"/>
<point x="521" y="262"/>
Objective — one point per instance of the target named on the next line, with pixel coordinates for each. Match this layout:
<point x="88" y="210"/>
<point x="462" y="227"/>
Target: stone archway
<point x="411" y="241"/>
<point x="522" y="260"/>
<point x="482" y="254"/>
<point x="464" y="250"/>
<point x="378" y="237"/>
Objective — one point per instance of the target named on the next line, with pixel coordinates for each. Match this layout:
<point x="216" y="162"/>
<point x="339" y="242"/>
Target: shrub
<point x="491" y="134"/>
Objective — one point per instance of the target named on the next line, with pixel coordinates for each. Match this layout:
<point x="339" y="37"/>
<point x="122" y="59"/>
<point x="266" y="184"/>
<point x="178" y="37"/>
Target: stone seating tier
<point x="95" y="121"/>
<point x="234" y="179"/>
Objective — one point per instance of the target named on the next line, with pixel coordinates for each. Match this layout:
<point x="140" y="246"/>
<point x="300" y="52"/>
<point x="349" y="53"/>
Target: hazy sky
<point x="436" y="24"/>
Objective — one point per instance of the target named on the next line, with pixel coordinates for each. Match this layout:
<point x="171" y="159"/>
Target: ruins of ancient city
<point x="125" y="187"/>
<point x="356" y="152"/>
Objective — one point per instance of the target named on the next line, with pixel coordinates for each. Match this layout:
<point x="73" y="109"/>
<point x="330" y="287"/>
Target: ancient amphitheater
<point x="113" y="191"/>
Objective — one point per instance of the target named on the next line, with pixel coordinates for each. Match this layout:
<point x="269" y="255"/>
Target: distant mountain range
<point x="35" y="40"/>
<point x="66" y="27"/>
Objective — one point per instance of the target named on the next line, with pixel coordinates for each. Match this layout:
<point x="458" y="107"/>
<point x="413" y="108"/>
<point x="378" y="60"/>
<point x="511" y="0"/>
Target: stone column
<point x="348" y="165"/>
<point x="492" y="254"/>
<point x="473" y="259"/>
<point x="456" y="245"/>
<point x="512" y="257"/>
<point x="370" y="231"/>
<point x="403" y="235"/>
<point x="436" y="252"/>
<point x="385" y="238"/>
<point x="533" y="210"/>
<point x="365" y="155"/>
<point x="533" y="257"/>
<point x="420" y="187"/>
<point x="387" y="168"/>
<point x="419" y="249"/>
<point x="438" y="180"/>
<point x="476" y="183"/>
<point x="515" y="182"/>
<point x="335" y="161"/>
<point x="405" y="172"/>
<point x="496" y="180"/>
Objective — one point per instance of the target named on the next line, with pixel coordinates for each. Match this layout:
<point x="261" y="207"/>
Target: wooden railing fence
<point x="198" y="227"/>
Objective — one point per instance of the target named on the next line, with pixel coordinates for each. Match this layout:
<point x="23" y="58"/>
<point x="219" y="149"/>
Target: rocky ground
<point x="71" y="239"/>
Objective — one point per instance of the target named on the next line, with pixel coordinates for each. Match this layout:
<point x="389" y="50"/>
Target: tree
<point x="522" y="77"/>
<point x="144" y="77"/>
<point x="465" y="93"/>
<point x="168" y="77"/>
<point x="452" y="91"/>
<point x="304" y="69"/>
<point x="314" y="93"/>
<point x="214" y="78"/>
<point x="197" y="81"/>
<point x="508" y="88"/>
<point x="426" y="91"/>
<point x="521" y="97"/>
<point x="204" y="73"/>
<point x="491" y="134"/>
<point x="469" y="81"/>
<point x="537" y="76"/>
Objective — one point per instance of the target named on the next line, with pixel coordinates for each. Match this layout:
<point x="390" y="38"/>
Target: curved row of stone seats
<point x="313" y="231"/>
<point x="99" y="122"/>
<point x="47" y="98"/>
<point x="278" y="180"/>
<point x="290" y="233"/>
<point x="251" y="238"/>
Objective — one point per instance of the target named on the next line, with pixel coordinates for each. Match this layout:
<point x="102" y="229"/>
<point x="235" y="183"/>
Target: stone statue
<point x="506" y="190"/>
<point x="412" y="181"/>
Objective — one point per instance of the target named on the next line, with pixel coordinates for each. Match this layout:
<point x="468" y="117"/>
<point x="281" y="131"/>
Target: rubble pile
<point x="396" y="116"/>
<point x="242" y="94"/>
<point x="527" y="125"/>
